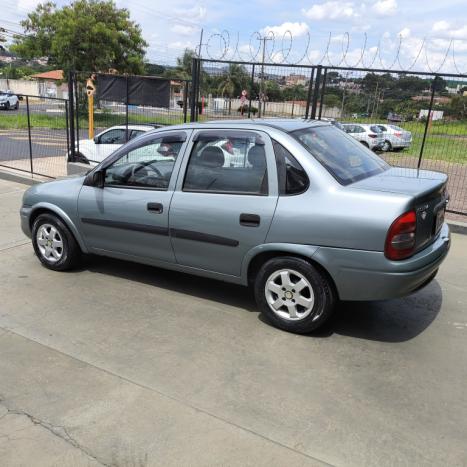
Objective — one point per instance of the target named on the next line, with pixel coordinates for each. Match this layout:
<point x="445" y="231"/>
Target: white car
<point x="105" y="143"/>
<point x="395" y="137"/>
<point x="8" y="100"/>
<point x="370" y="136"/>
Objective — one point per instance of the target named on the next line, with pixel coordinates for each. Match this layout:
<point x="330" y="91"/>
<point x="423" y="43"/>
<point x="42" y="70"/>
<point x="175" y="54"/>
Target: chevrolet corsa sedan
<point x="305" y="214"/>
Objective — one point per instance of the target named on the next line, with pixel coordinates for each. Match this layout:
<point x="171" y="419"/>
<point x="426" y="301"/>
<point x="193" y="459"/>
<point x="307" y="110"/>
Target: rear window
<point x="397" y="128"/>
<point x="376" y="129"/>
<point x="343" y="157"/>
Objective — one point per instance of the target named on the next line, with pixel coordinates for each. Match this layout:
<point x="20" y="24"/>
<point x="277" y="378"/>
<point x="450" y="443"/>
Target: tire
<point x="48" y="232"/>
<point x="7" y="105"/>
<point x="386" y="146"/>
<point x="365" y="144"/>
<point x="284" y="275"/>
<point x="17" y="105"/>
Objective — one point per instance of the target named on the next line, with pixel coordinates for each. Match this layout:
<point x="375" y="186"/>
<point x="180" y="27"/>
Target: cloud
<point x="297" y="29"/>
<point x="404" y="33"/>
<point x="385" y="7"/>
<point x="331" y="10"/>
<point x="440" y="26"/>
<point x="184" y="30"/>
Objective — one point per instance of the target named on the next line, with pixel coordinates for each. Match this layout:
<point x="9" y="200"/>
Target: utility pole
<point x="261" y="82"/>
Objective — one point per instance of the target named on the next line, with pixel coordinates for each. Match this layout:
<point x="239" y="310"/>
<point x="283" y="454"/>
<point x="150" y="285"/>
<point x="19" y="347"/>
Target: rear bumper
<point x="368" y="275"/>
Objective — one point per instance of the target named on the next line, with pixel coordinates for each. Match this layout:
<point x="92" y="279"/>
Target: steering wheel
<point x="140" y="166"/>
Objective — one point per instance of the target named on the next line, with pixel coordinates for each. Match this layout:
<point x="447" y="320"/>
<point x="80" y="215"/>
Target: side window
<point x="116" y="136"/>
<point x="135" y="133"/>
<point x="292" y="177"/>
<point x="227" y="162"/>
<point x="148" y="166"/>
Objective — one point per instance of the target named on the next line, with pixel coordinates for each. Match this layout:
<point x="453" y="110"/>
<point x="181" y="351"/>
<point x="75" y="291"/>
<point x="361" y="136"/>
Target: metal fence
<point x="423" y="116"/>
<point x="119" y="109"/>
<point x="35" y="137"/>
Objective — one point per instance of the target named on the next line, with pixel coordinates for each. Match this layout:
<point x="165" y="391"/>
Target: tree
<point x="233" y="81"/>
<point x="87" y="35"/>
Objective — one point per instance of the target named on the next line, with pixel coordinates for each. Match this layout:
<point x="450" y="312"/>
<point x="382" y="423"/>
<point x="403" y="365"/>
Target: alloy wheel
<point x="49" y="242"/>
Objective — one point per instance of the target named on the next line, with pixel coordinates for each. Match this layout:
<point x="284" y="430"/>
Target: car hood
<point x="400" y="180"/>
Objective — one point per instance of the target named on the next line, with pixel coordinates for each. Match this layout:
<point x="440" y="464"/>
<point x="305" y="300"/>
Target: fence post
<point x="316" y="92"/>
<point x="29" y="133"/>
<point x="427" y="123"/>
<point x="126" y="110"/>
<point x="323" y="90"/>
<point x="194" y="80"/>
<point x="310" y="87"/>
<point x="77" y="111"/>
<point x="251" y="89"/>
<point x="67" y="126"/>
<point x="71" y="118"/>
<point x="185" y="101"/>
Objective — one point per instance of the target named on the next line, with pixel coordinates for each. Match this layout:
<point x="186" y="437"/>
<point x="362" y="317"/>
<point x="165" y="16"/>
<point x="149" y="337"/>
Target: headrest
<point x="257" y="156"/>
<point x="212" y="156"/>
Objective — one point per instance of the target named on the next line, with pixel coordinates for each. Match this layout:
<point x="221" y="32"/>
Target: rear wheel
<point x="294" y="295"/>
<point x="386" y="146"/>
<point x="54" y="244"/>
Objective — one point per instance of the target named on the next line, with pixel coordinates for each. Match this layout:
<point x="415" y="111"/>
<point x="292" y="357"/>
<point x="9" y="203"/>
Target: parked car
<point x="395" y="137"/>
<point x="369" y="135"/>
<point x="8" y="100"/>
<point x="309" y="218"/>
<point x="393" y="117"/>
<point x="106" y="142"/>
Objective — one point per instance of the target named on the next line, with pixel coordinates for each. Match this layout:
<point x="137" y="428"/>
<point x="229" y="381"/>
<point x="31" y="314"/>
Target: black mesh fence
<point x="412" y="119"/>
<point x="124" y="102"/>
<point x="34" y="137"/>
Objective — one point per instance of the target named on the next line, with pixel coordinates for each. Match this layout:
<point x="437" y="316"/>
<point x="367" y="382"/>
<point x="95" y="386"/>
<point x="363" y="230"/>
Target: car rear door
<point x="219" y="211"/>
<point x="130" y="214"/>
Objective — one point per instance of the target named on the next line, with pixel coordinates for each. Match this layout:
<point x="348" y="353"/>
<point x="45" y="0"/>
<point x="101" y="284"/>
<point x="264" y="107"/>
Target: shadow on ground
<point x="394" y="321"/>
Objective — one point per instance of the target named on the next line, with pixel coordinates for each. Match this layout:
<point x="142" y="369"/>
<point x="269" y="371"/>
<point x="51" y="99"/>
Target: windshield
<point x="344" y="157"/>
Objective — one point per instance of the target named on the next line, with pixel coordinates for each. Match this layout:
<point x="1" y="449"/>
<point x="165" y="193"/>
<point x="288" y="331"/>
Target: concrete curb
<point x="455" y="226"/>
<point x="19" y="178"/>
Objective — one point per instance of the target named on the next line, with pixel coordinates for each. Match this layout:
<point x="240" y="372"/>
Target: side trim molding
<point x="153" y="229"/>
<point x="202" y="237"/>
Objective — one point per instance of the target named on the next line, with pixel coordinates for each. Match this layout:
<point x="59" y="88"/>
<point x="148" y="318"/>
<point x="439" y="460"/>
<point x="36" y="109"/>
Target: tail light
<point x="398" y="134"/>
<point x="372" y="135"/>
<point x="400" y="241"/>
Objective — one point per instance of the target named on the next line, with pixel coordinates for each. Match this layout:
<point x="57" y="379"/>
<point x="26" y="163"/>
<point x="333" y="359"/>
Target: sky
<point x="393" y="33"/>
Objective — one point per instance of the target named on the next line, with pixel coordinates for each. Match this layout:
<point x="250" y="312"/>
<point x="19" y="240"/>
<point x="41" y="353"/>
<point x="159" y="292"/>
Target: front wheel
<point x="7" y="105"/>
<point x="17" y="105"/>
<point x="294" y="295"/>
<point x="54" y="244"/>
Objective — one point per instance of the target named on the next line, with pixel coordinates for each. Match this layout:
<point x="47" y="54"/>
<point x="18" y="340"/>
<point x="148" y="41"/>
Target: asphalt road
<point x="127" y="365"/>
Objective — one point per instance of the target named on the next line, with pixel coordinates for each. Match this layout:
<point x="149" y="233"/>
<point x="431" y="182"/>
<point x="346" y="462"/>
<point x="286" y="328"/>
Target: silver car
<point x="310" y="217"/>
<point x="370" y="136"/>
<point x="395" y="137"/>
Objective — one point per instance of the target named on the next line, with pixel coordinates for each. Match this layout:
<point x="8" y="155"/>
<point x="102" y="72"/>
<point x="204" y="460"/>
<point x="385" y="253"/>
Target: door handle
<point x="250" y="220"/>
<point x="158" y="208"/>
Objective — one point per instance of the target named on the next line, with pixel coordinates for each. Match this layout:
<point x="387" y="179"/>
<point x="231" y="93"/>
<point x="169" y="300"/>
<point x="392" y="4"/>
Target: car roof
<point x="142" y="127"/>
<point x="285" y="124"/>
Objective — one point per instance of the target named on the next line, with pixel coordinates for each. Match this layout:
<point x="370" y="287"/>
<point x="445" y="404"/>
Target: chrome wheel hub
<point x="49" y="243"/>
<point x="290" y="295"/>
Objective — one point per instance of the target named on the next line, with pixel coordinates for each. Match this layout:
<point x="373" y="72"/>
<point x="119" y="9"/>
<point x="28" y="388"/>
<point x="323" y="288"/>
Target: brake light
<point x="398" y="134"/>
<point x="400" y="241"/>
<point x="372" y="135"/>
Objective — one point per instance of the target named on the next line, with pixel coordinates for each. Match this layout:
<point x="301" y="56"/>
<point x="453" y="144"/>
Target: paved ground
<point x="126" y="365"/>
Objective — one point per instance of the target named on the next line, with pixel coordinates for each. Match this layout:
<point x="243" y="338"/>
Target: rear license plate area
<point x="439" y="221"/>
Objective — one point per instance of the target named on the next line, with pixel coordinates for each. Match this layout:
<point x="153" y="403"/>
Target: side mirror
<point x="96" y="139"/>
<point x="98" y="178"/>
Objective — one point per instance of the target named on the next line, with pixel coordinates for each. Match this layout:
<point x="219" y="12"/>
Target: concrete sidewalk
<point x="126" y="365"/>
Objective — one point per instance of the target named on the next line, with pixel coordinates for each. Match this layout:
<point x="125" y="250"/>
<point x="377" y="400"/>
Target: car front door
<point x="129" y="215"/>
<point x="220" y="210"/>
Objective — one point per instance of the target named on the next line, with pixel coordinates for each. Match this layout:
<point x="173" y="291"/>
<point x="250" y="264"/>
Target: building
<point x="295" y="80"/>
<point x="51" y="84"/>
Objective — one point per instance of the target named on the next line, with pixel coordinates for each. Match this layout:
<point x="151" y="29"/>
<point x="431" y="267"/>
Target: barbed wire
<point x="282" y="49"/>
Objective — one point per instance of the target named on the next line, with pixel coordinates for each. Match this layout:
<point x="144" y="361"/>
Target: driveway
<point x="127" y="365"/>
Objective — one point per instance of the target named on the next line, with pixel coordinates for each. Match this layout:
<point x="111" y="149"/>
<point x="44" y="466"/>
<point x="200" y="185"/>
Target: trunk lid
<point x="427" y="190"/>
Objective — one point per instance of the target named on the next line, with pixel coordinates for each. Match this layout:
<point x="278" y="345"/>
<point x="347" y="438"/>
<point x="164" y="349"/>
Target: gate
<point x="423" y="115"/>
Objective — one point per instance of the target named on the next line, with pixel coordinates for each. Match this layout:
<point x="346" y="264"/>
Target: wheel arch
<point x="260" y="255"/>
<point x="47" y="208"/>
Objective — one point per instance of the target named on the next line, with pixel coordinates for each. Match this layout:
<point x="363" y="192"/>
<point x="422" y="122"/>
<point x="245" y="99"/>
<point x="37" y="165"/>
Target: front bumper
<point x="25" y="213"/>
<point x="369" y="275"/>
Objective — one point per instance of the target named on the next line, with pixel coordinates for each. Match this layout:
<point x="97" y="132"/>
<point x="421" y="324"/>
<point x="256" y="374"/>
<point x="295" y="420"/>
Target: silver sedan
<point x="306" y="216"/>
